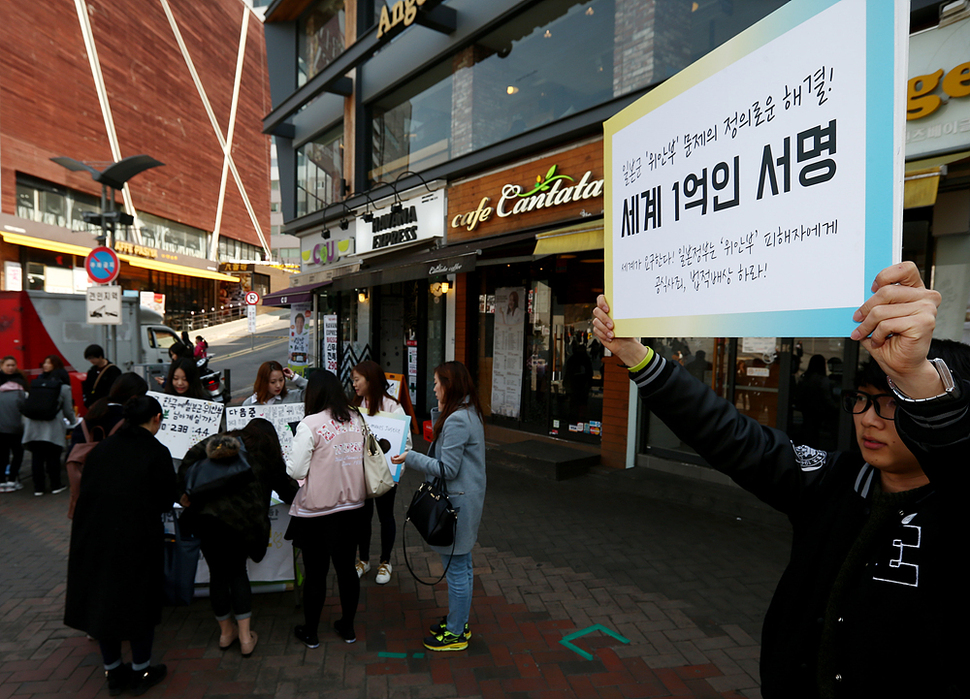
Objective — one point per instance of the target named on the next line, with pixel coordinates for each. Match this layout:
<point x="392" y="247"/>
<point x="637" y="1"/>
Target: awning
<point x="81" y="251"/>
<point x="295" y="294"/>
<point x="578" y="238"/>
<point x="176" y="269"/>
<point x="923" y="179"/>
<point x="42" y="244"/>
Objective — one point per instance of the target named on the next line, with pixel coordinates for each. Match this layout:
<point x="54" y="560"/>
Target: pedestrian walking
<point x="183" y="380"/>
<point x="100" y="376"/>
<point x="872" y="603"/>
<point x="13" y="388"/>
<point x="201" y="347"/>
<point x="327" y="455"/>
<point x="270" y="386"/>
<point x="48" y="410"/>
<point x="372" y="396"/>
<point x="232" y="522"/>
<point x="115" y="564"/>
<point x="459" y="450"/>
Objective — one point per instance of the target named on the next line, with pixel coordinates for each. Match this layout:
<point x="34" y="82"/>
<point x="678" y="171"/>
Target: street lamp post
<point x="111" y="178"/>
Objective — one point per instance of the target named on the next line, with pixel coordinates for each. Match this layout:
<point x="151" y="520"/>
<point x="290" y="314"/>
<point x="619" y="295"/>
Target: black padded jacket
<point x="897" y="626"/>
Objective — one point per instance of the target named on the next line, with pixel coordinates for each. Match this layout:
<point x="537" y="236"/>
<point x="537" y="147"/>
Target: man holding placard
<point x="872" y="597"/>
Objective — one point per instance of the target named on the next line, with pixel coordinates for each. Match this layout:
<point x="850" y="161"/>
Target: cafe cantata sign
<point x="402" y="224"/>
<point x="562" y="187"/>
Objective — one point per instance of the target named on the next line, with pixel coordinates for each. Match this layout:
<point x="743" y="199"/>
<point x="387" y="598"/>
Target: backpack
<point x="43" y="399"/>
<point x="76" y="459"/>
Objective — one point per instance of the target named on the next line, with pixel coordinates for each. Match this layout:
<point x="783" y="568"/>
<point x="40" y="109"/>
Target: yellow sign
<point x="127" y="248"/>
<point x="919" y="101"/>
<point x="403" y="11"/>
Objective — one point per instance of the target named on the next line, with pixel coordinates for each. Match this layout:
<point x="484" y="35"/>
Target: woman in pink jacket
<point x="328" y="457"/>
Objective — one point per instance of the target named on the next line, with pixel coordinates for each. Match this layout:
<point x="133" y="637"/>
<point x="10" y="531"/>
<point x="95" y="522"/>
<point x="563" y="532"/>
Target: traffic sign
<point x="252" y="298"/>
<point x="104" y="305"/>
<point x="102" y="265"/>
<point x="251" y="318"/>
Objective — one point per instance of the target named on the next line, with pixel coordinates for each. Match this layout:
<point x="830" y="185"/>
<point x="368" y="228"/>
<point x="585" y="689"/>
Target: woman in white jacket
<point x="328" y="457"/>
<point x="372" y="396"/>
<point x="270" y="385"/>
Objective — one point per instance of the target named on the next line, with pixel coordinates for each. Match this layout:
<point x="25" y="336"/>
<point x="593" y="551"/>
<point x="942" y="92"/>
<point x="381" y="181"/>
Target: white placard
<point x="251" y="319"/>
<point x="392" y="427"/>
<point x="758" y="188"/>
<point x="186" y="421"/>
<point x="329" y="342"/>
<point x="284" y="416"/>
<point x="104" y="305"/>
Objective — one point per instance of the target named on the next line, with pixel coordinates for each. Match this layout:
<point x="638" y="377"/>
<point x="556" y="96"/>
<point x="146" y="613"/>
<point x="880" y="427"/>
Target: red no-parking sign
<point x="102" y="265"/>
<point x="252" y="298"/>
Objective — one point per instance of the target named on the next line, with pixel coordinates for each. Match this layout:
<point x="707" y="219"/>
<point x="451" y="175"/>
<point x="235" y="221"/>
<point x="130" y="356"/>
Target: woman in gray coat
<point x="46" y="439"/>
<point x="459" y="449"/>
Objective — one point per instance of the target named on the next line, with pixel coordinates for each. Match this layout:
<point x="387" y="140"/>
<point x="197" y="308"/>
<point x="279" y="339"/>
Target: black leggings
<point x="226" y="556"/>
<point x="45" y="457"/>
<point x="385" y="514"/>
<point x="11" y="452"/>
<point x="141" y="649"/>
<point x="322" y="539"/>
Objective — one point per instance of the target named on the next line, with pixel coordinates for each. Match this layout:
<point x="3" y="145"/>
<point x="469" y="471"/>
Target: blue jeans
<point x="461" y="575"/>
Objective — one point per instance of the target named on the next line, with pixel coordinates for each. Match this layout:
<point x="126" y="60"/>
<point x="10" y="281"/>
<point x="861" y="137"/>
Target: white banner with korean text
<point x="759" y="191"/>
<point x="284" y="417"/>
<point x="186" y="421"/>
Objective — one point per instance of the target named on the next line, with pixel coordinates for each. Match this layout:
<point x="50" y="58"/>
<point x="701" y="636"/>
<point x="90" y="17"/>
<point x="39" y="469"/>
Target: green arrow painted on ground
<point x="566" y="640"/>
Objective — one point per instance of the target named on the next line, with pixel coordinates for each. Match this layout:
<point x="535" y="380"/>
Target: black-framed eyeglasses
<point x="858" y="402"/>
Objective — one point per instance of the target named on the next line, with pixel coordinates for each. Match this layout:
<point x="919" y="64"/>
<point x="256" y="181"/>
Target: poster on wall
<point x="186" y="421"/>
<point x="299" y="350"/>
<point x="508" y="350"/>
<point x="152" y="301"/>
<point x="329" y="343"/>
<point x="759" y="191"/>
<point x="283" y="416"/>
<point x="412" y="365"/>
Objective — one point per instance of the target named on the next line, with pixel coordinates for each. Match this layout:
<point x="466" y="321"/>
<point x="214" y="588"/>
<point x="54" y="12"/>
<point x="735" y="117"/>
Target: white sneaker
<point x="6" y="487"/>
<point x="383" y="573"/>
<point x="16" y="485"/>
<point x="362" y="567"/>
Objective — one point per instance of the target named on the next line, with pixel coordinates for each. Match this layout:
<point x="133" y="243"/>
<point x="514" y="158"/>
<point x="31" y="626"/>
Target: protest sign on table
<point x="759" y="191"/>
<point x="186" y="421"/>
<point x="284" y="417"/>
<point x="392" y="427"/>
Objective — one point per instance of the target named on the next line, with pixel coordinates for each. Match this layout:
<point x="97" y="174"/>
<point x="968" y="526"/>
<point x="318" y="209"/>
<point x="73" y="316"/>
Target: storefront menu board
<point x="508" y="351"/>
<point x="284" y="416"/>
<point x="759" y="191"/>
<point x="186" y="421"/>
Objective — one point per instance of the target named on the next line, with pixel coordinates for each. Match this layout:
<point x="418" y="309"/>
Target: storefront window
<point x="319" y="172"/>
<point x="172" y="236"/>
<point x="817" y="386"/>
<point x="321" y="37"/>
<point x="527" y="74"/>
<point x="539" y="369"/>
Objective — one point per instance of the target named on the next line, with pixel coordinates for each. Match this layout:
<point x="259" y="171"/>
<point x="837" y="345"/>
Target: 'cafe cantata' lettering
<point x="546" y="193"/>
<point x="402" y="11"/>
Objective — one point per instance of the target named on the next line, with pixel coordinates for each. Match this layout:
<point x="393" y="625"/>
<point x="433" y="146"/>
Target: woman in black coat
<point x="115" y="566"/>
<point x="233" y="522"/>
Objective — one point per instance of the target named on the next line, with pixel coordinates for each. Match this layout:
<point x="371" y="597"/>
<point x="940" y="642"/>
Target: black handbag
<point x="208" y="476"/>
<point x="436" y="520"/>
<point x="181" y="562"/>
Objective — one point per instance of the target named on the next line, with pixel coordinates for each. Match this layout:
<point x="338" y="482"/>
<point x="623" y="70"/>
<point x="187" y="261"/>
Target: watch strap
<point x="945" y="376"/>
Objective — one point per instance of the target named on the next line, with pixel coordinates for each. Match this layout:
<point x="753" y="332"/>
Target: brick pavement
<point x="687" y="588"/>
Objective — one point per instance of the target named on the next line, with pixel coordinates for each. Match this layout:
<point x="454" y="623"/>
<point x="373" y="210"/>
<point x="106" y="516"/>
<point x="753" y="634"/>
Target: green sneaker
<point x="442" y="626"/>
<point x="446" y="641"/>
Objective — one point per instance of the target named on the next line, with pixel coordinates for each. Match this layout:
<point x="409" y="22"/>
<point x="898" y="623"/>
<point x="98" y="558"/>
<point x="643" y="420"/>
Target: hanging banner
<point x="329" y="342"/>
<point x="508" y="350"/>
<point x="759" y="191"/>
<point x="284" y="416"/>
<point x="186" y="421"/>
<point x="299" y="350"/>
<point x="391" y="430"/>
<point x="412" y="346"/>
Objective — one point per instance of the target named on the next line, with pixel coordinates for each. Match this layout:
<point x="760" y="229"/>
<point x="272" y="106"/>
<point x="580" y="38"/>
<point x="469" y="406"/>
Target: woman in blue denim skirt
<point x="458" y="447"/>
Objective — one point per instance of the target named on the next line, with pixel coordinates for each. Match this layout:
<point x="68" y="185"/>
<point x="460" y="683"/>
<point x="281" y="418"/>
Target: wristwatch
<point x="945" y="376"/>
